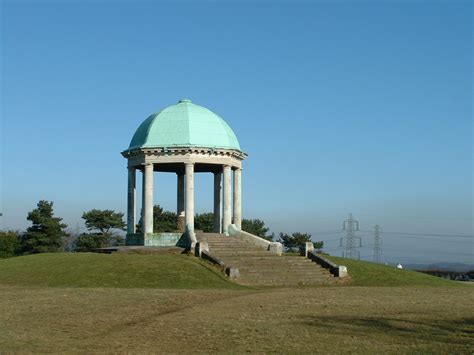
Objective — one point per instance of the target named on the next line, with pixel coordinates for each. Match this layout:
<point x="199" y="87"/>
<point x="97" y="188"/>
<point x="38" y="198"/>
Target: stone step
<point x="294" y="276"/>
<point x="230" y="243"/>
<point x="234" y="247"/>
<point x="284" y="269"/>
<point x="244" y="253"/>
<point x="283" y="278"/>
<point x="280" y="267"/>
<point x="249" y="264"/>
<point x="292" y="273"/>
<point x="258" y="266"/>
<point x="227" y="243"/>
<point x="217" y="237"/>
<point x="260" y="258"/>
<point x="264" y="262"/>
<point x="284" y="282"/>
<point x="240" y="251"/>
<point x="212" y="236"/>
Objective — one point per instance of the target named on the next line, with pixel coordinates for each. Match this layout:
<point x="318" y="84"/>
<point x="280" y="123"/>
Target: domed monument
<point x="184" y="139"/>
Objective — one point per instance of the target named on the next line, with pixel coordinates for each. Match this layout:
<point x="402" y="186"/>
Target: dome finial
<point x="185" y="100"/>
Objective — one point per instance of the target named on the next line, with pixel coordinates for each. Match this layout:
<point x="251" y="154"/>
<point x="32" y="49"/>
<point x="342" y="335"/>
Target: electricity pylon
<point x="350" y="243"/>
<point x="377" y="244"/>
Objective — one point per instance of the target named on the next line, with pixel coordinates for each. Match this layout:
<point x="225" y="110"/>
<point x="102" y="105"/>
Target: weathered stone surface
<point x="258" y="266"/>
<point x="309" y="247"/>
<point x="273" y="247"/>
<point x="153" y="239"/>
<point x="342" y="271"/>
<point x="200" y="247"/>
<point x="147" y="199"/>
<point x="237" y="220"/>
<point x="131" y="201"/>
<point x="276" y="248"/>
<point x="232" y="272"/>
<point x="181" y="223"/>
<point x="336" y="270"/>
<point x="217" y="201"/>
<point x="227" y="209"/>
<point x="189" y="196"/>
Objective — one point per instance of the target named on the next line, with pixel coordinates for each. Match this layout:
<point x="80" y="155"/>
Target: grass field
<point x="365" y="273"/>
<point x="114" y="270"/>
<point x="54" y="313"/>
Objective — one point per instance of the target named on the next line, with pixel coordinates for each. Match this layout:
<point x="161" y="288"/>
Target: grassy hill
<point x="116" y="270"/>
<point x="364" y="273"/>
<point x="89" y="303"/>
<point x="169" y="271"/>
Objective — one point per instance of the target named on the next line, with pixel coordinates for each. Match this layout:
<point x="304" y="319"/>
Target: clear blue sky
<point x="346" y="106"/>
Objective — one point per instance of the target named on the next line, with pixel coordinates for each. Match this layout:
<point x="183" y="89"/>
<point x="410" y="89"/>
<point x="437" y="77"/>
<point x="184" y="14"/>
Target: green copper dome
<point x="184" y="125"/>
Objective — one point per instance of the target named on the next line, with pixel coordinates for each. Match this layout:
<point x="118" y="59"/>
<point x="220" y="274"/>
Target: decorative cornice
<point x="167" y="151"/>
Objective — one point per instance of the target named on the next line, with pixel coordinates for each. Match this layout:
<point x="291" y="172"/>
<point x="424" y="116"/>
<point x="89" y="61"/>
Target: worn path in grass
<point x="326" y="320"/>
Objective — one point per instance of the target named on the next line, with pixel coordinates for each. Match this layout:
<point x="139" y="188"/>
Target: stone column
<point x="147" y="199"/>
<point x="227" y="197"/>
<point x="180" y="194"/>
<point x="217" y="202"/>
<point x="238" y="198"/>
<point x="189" y="214"/>
<point x="131" y="200"/>
<point x="181" y="224"/>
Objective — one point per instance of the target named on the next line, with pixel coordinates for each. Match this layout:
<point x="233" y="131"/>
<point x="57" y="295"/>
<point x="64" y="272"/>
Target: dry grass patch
<point x="325" y="320"/>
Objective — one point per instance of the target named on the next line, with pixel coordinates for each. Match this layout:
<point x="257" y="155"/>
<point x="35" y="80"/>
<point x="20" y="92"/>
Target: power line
<point x="350" y="248"/>
<point x="326" y="233"/>
<point x="433" y="235"/>
<point x="430" y="234"/>
<point x="377" y="245"/>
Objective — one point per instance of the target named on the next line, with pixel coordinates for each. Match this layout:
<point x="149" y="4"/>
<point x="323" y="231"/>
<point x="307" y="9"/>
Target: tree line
<point x="48" y="233"/>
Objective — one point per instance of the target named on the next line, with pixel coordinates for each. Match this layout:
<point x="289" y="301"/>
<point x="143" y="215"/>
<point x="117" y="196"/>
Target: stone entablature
<point x="138" y="157"/>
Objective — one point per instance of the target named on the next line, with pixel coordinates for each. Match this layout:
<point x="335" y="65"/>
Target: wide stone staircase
<point x="260" y="267"/>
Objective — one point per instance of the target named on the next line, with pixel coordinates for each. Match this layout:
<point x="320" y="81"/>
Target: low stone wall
<point x="153" y="239"/>
<point x="336" y="270"/>
<point x="185" y="240"/>
<point x="202" y="251"/>
<point x="162" y="239"/>
<point x="273" y="247"/>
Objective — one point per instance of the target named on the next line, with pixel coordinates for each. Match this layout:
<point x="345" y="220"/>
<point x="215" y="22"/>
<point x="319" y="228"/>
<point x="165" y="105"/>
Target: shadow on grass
<point x="449" y="331"/>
